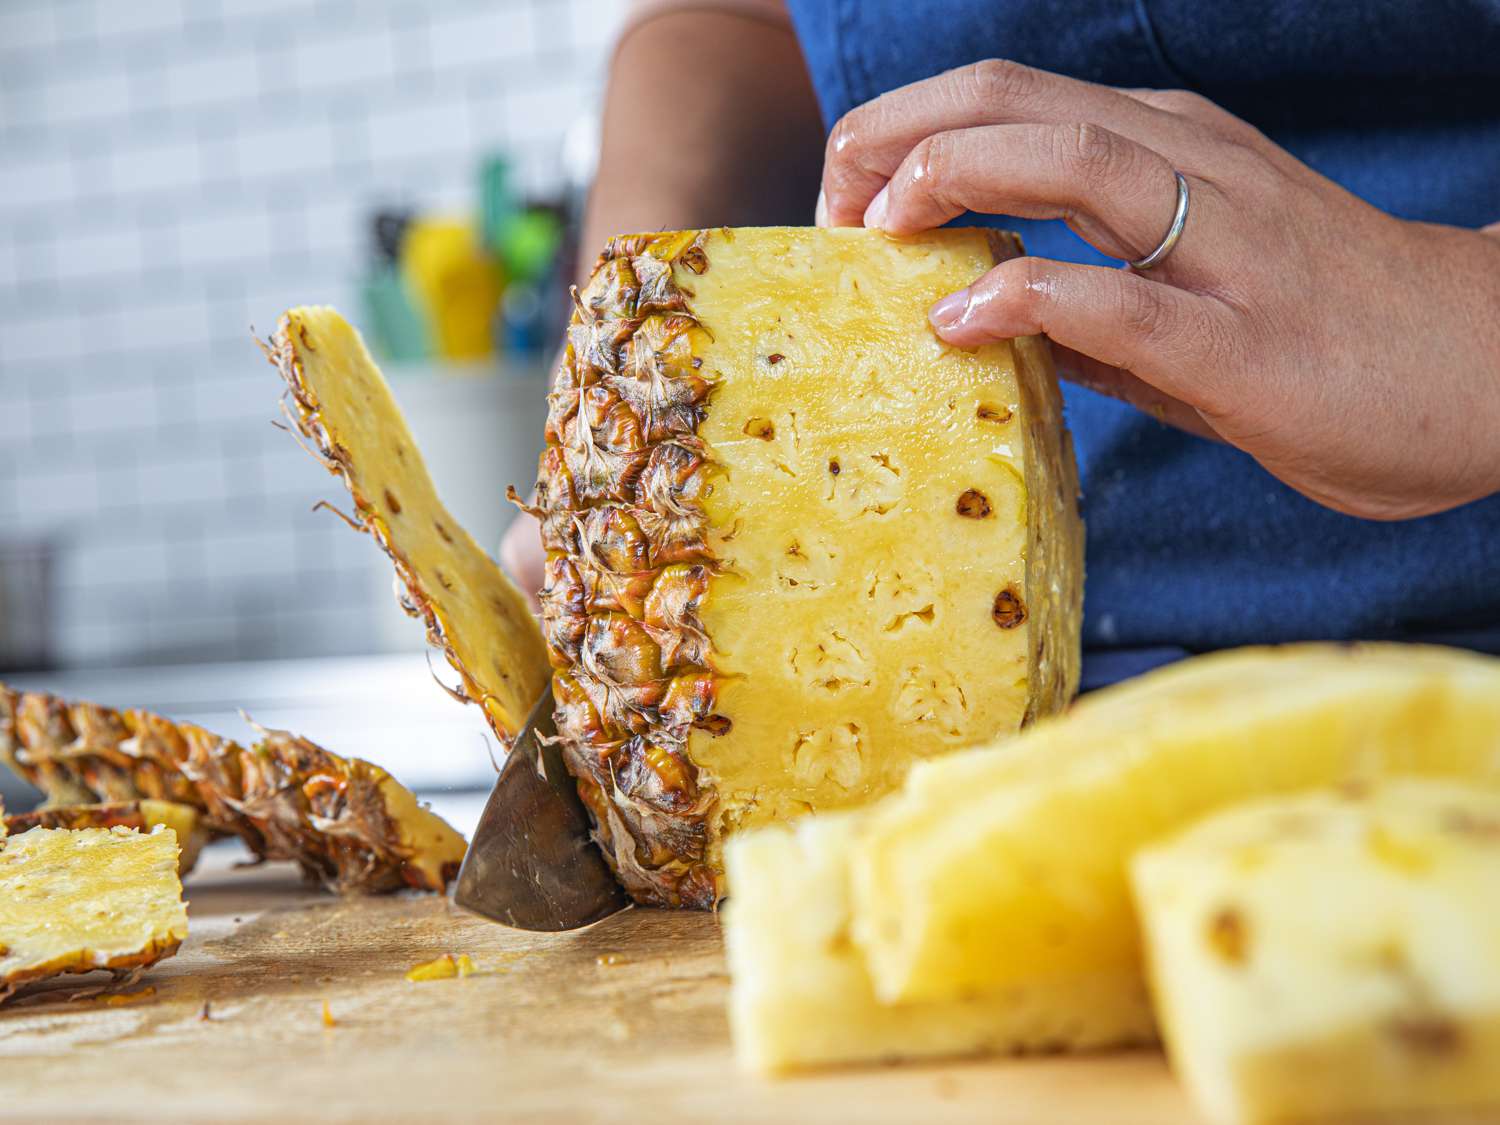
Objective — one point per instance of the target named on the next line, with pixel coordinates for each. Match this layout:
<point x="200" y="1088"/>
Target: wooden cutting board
<point x="624" y="1021"/>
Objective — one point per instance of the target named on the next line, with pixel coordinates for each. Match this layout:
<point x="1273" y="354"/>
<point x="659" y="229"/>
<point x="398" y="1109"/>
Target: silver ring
<point x="1174" y="232"/>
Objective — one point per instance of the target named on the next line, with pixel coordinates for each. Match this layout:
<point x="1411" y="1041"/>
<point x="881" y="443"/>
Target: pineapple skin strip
<point x="348" y="824"/>
<point x="473" y="613"/>
<point x="142" y="816"/>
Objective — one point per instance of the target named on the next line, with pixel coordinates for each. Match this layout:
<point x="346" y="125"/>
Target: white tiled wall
<point x="173" y="172"/>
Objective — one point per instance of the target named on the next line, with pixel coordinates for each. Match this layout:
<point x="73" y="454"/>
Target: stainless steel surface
<point x="532" y="864"/>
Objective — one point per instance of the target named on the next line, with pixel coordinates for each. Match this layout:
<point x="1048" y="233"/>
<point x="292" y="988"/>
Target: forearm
<point x="709" y="119"/>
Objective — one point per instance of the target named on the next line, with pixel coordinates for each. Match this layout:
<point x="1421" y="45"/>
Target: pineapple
<point x="794" y="541"/>
<point x="341" y="403"/>
<point x="1333" y="955"/>
<point x="77" y="901"/>
<point x="803" y="998"/>
<point x="992" y="870"/>
<point x="347" y="823"/>
<point x="986" y="905"/>
<point x="143" y="816"/>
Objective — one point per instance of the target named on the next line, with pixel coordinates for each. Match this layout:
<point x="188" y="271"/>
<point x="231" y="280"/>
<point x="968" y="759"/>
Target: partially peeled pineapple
<point x="74" y="901"/>
<point x="794" y="541"/>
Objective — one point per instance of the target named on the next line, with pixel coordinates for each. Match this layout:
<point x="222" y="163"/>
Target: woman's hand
<point x="1354" y="355"/>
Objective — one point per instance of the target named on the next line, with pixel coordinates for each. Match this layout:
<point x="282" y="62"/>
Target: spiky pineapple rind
<point x="348" y="824"/>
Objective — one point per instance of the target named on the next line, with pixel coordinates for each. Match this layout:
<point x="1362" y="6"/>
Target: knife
<point x="532" y="864"/>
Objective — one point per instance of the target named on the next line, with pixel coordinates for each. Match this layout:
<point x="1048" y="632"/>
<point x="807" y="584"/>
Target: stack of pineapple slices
<point x="987" y="905"/>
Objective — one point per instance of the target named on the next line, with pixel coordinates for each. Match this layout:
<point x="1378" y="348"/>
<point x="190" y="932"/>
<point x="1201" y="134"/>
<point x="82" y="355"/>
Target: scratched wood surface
<point x="623" y="1021"/>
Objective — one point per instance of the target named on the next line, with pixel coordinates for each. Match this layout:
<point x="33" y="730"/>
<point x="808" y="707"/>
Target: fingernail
<point x="875" y="212"/>
<point x="950" y="310"/>
<point x="820" y="212"/>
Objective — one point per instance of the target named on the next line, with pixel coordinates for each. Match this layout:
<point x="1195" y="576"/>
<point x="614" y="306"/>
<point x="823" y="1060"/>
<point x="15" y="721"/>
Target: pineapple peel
<point x="346" y="822"/>
<point x="75" y="901"/>
<point x="342" y="404"/>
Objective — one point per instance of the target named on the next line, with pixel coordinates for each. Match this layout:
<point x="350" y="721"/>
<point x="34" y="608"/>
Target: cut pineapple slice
<point x="472" y="611"/>
<point x="1333" y="956"/>
<point x="996" y="869"/>
<point x="795" y="542"/>
<point x="76" y="901"/>
<point x="348" y="824"/>
<point x="801" y="996"/>
<point x="142" y="815"/>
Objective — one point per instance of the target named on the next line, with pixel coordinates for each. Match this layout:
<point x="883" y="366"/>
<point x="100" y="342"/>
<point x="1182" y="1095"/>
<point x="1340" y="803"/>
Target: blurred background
<point x="174" y="174"/>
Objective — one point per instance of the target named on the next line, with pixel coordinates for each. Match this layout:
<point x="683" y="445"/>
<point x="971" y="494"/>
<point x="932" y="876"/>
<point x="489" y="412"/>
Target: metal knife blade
<point x="532" y="864"/>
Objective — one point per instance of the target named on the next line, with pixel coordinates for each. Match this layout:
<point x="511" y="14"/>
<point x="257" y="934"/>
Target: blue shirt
<point x="1192" y="546"/>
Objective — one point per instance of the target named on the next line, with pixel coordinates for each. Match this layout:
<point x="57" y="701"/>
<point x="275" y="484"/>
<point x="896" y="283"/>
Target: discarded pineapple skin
<point x="637" y="545"/>
<point x="347" y="823"/>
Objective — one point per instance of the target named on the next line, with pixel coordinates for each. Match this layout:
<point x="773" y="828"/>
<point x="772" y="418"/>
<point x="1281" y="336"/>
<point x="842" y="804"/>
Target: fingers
<point x="1117" y="194"/>
<point x="870" y="142"/>
<point x="1169" y="338"/>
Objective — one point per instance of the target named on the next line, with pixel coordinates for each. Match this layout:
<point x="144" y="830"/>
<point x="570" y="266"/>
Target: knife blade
<point x="532" y="864"/>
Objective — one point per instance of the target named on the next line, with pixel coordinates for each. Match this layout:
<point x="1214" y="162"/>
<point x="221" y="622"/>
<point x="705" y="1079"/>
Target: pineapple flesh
<point x="991" y="870"/>
<point x="347" y="823"/>
<point x="986" y="904"/>
<point x="802" y="996"/>
<point x="184" y="821"/>
<point x="1333" y="956"/>
<point x="97" y="898"/>
<point x="795" y="542"/>
<point x="473" y="612"/>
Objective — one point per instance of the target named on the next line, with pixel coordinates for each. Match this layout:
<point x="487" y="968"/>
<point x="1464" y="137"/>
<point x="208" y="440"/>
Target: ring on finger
<point x="1174" y="232"/>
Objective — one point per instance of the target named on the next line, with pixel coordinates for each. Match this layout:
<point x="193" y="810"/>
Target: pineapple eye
<point x="973" y="504"/>
<point x="762" y="428"/>
<point x="833" y="466"/>
<point x="988" y="412"/>
<point x="1009" y="610"/>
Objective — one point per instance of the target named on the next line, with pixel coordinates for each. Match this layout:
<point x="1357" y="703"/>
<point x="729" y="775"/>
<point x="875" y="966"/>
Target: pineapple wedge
<point x="77" y="901"/>
<point x="795" y="542"/>
<point x="143" y="816"/>
<point x="996" y="883"/>
<point x="994" y="870"/>
<point x="802" y="997"/>
<point x="473" y="612"/>
<point x="1332" y="956"/>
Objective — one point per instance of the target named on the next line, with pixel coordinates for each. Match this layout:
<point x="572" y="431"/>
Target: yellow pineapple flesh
<point x="994" y="882"/>
<point x="1333" y="955"/>
<point x="795" y="542"/>
<point x="473" y="612"/>
<point x="802" y="996"/>
<point x="78" y="901"/>
<point x="989" y="870"/>
<point x="347" y="823"/>
<point x="143" y="815"/>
